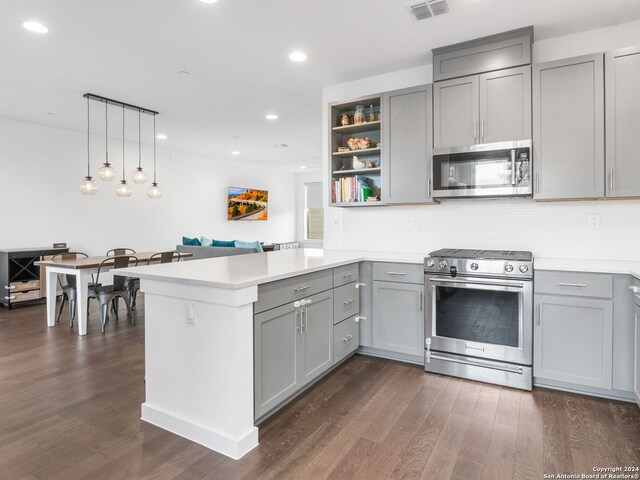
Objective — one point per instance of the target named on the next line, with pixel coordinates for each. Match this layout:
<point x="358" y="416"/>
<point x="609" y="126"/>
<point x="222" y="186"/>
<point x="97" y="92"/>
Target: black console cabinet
<point x="19" y="278"/>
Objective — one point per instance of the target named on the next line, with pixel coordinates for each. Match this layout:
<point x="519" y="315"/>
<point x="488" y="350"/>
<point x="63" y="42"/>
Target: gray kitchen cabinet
<point x="568" y="128"/>
<point x="573" y="340"/>
<point x="366" y="304"/>
<point x="277" y="344"/>
<point x="456" y="111"/>
<point x="487" y="108"/>
<point x="505" y="105"/>
<point x="398" y="317"/>
<point x="622" y="74"/>
<point x="293" y="346"/>
<point x="316" y="321"/>
<point x="407" y="138"/>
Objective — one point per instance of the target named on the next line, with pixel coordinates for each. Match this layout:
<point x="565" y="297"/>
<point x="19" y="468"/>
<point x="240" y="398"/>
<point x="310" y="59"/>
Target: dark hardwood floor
<point x="70" y="408"/>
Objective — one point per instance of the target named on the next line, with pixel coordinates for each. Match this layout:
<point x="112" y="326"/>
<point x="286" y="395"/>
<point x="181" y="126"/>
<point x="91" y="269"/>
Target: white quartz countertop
<point x="623" y="267"/>
<point x="240" y="271"/>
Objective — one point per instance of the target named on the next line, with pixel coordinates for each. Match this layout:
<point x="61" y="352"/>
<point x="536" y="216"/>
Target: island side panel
<point x="199" y="372"/>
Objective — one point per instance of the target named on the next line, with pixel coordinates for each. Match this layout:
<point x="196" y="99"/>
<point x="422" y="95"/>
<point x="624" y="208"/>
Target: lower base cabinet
<point x="636" y="382"/>
<point x="346" y="338"/>
<point x="398" y="317"/>
<point x="293" y="346"/>
<point x="573" y="340"/>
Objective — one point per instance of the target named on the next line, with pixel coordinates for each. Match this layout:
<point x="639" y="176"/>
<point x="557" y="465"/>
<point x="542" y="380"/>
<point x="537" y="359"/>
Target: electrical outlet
<point x="593" y="221"/>
<point x="191" y="316"/>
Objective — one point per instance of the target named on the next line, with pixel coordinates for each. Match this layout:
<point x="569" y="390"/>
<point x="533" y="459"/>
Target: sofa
<point x="200" y="252"/>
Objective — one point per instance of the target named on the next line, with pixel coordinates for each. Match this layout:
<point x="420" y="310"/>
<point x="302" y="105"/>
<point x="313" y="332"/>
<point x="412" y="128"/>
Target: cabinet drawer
<point x="399" y="272"/>
<point x="599" y="285"/>
<point x="345" y="274"/>
<point x="346" y="302"/>
<point x="278" y="293"/>
<point x="16" y="297"/>
<point x="346" y="338"/>
<point x="24" y="286"/>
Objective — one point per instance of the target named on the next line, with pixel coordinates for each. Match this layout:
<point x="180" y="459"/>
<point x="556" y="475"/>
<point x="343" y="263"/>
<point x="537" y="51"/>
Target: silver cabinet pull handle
<point x="429" y="188"/>
<point x="358" y="318"/>
<point x="348" y="302"/>
<point x="475" y="129"/>
<point x="421" y="305"/>
<point x="513" y="167"/>
<point x="299" y="323"/>
<point x="10" y="297"/>
<point x="634" y="289"/>
<point x="358" y="285"/>
<point x="396" y="273"/>
<point x="347" y="275"/>
<point x="306" y="319"/>
<point x="580" y="285"/>
<point x="610" y="180"/>
<point x="347" y="338"/>
<point x="10" y="287"/>
<point x="299" y="289"/>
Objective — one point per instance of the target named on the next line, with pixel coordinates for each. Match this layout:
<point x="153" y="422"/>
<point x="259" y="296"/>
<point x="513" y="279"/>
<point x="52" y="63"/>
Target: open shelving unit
<point x="350" y="181"/>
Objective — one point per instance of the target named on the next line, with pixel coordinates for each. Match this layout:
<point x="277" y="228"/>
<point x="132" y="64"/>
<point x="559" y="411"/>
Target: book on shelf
<point x="351" y="189"/>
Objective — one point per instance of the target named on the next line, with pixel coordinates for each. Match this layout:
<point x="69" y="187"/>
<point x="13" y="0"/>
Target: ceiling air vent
<point x="423" y="10"/>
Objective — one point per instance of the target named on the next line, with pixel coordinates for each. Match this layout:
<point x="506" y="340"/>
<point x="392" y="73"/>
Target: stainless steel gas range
<point x="479" y="315"/>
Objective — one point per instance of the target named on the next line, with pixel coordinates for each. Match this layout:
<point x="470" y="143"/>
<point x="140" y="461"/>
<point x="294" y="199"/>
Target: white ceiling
<point x="237" y="54"/>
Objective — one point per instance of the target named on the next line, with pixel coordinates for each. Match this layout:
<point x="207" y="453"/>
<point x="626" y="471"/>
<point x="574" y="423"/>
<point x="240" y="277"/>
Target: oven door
<point x="480" y="317"/>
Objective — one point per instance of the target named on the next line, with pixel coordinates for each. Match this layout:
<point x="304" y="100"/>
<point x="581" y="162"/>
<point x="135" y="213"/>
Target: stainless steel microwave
<point x="487" y="170"/>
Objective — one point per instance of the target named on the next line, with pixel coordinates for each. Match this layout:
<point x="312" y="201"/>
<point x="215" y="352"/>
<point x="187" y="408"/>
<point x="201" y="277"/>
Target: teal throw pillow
<point x="206" y="242"/>
<point x="190" y="241"/>
<point x="224" y="243"/>
<point x="256" y="245"/>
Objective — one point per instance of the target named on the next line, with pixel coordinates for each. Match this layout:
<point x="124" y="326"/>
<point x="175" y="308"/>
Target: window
<point x="313" y="211"/>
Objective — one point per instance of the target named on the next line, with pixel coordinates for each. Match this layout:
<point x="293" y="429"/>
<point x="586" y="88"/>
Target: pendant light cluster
<point x="107" y="173"/>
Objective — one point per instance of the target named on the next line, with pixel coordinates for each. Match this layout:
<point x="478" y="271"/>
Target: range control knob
<point x="524" y="268"/>
<point x="431" y="263"/>
<point x="474" y="266"/>
<point x="443" y="264"/>
<point x="508" y="268"/>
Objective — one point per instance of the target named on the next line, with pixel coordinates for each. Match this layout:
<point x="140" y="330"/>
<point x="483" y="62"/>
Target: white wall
<point x="41" y="168"/>
<point x="553" y="229"/>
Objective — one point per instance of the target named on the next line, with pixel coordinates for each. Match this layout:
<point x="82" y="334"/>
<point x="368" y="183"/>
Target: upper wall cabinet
<point x="487" y="108"/>
<point x="407" y="141"/>
<point x="568" y="128"/>
<point x="622" y="71"/>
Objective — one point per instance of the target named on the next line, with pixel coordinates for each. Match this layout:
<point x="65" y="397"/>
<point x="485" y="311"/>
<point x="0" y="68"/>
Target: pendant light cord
<point x="106" y="131"/>
<point x="155" y="181"/>
<point x="88" y="157"/>
<point x="123" y="171"/>
<point x="139" y="142"/>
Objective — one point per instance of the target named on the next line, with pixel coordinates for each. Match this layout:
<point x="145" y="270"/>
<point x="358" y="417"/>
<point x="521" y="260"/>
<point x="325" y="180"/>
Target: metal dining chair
<point x="108" y="294"/>
<point x="120" y="251"/>
<point x="162" y="257"/>
<point x="69" y="287"/>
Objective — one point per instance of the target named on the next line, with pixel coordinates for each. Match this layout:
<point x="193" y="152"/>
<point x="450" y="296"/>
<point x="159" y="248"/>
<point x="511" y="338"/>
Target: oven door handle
<point x="451" y="281"/>
<point x="496" y="366"/>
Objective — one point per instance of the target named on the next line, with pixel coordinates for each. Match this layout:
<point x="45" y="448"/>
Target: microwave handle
<point x="513" y="167"/>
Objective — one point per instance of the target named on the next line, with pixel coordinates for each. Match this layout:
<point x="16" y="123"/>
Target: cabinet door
<point x="317" y="337"/>
<point x="573" y="340"/>
<point x="636" y="383"/>
<point x="407" y="140"/>
<point x="505" y="105"/>
<point x="568" y="128"/>
<point x="623" y="117"/>
<point x="398" y="321"/>
<point x="456" y="107"/>
<point x="277" y="342"/>
<point x="366" y="304"/>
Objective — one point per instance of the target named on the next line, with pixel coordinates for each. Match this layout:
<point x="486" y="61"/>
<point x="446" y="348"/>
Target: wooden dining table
<point x="83" y="269"/>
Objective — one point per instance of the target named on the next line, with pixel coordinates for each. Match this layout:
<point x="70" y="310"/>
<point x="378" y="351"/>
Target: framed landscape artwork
<point x="247" y="204"/>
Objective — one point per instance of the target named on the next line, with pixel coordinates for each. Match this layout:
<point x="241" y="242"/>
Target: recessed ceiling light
<point x="36" y="27"/>
<point x="235" y="152"/>
<point x="302" y="167"/>
<point x="208" y="1"/>
<point x="297" y="56"/>
<point x="271" y="116"/>
<point x="161" y="136"/>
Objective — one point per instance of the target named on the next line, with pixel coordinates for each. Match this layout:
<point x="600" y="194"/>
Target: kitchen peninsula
<point x="199" y="345"/>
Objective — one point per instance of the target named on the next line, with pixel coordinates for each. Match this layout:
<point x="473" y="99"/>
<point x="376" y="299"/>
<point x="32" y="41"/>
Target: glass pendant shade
<point x="88" y="186"/>
<point x="139" y="176"/>
<point x="124" y="189"/>
<point x="107" y="173"/>
<point x="154" y="191"/>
